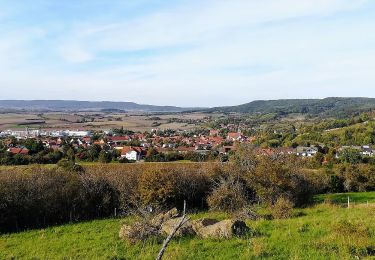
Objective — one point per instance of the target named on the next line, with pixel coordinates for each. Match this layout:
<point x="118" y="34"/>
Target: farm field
<point x="98" y="120"/>
<point x="323" y="231"/>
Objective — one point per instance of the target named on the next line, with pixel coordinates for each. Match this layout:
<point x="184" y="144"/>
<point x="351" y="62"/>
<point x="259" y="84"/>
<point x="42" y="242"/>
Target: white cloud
<point x="288" y="48"/>
<point x="195" y="23"/>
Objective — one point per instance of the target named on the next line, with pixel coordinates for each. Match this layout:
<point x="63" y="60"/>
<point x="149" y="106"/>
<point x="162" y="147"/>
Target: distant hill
<point x="332" y="106"/>
<point x="71" y="105"/>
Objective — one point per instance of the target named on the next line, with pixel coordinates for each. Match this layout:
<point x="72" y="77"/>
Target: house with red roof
<point x="118" y="139"/>
<point x="18" y="150"/>
<point x="214" y="132"/>
<point x="234" y="136"/>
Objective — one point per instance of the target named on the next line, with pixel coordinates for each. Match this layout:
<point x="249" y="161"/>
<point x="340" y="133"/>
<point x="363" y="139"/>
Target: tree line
<point x="38" y="196"/>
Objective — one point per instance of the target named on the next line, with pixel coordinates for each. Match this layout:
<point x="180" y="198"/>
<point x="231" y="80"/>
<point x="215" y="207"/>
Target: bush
<point x="104" y="157"/>
<point x="283" y="208"/>
<point x="39" y="197"/>
<point x="160" y="188"/>
<point x="69" y="165"/>
<point x="139" y="231"/>
<point x="229" y="195"/>
<point x="157" y="188"/>
<point x="272" y="177"/>
<point x="97" y="196"/>
<point x="358" y="177"/>
<point x="123" y="160"/>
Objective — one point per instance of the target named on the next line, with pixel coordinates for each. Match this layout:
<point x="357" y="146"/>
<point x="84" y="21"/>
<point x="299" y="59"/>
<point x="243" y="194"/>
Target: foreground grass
<point x="320" y="232"/>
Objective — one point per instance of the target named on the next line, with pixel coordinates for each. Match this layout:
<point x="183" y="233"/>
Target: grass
<point x="320" y="232"/>
<point x="354" y="197"/>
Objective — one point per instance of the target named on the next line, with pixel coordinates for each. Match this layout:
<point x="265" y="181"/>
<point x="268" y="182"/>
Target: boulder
<point x="159" y="219"/>
<point x="224" y="229"/>
<point x="185" y="230"/>
<point x="202" y="223"/>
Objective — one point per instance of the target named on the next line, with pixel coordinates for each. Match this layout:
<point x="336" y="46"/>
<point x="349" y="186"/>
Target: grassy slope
<point x="354" y="197"/>
<point x="320" y="232"/>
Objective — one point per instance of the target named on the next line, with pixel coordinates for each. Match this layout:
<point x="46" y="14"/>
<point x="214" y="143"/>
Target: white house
<point x="131" y="153"/>
<point x="367" y="151"/>
<point x="306" y="151"/>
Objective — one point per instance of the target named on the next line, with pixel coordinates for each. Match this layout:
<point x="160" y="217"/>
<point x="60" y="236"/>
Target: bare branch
<point x="183" y="220"/>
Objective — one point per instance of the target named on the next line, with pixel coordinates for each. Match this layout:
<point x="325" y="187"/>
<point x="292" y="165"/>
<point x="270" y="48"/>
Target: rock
<point x="224" y="229"/>
<point x="163" y="217"/>
<point x="202" y="223"/>
<point x="185" y="230"/>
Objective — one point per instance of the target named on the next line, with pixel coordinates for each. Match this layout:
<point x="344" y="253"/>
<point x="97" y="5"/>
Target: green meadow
<point x="323" y="231"/>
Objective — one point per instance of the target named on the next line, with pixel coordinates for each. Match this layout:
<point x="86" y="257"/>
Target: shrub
<point x="69" y="165"/>
<point x="38" y="197"/>
<point x="229" y="195"/>
<point x="272" y="177"/>
<point x="167" y="188"/>
<point x="139" y="231"/>
<point x="358" y="177"/>
<point x="123" y="160"/>
<point x="157" y="188"/>
<point x="283" y="208"/>
<point x="104" y="157"/>
<point x="97" y="196"/>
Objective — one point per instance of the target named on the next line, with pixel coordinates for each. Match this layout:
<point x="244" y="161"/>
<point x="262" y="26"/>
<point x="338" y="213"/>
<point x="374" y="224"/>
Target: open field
<point x="354" y="197"/>
<point x="320" y="232"/>
<point x="99" y="120"/>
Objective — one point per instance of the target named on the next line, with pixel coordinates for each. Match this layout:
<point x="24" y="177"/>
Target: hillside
<point x="333" y="106"/>
<point x="72" y="105"/>
<point x="320" y="232"/>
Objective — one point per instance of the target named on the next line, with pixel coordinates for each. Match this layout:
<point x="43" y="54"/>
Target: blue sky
<point x="186" y="53"/>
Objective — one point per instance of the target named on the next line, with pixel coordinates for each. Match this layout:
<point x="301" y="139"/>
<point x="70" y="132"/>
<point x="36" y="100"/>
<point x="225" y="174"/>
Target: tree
<point x="70" y="155"/>
<point x="93" y="152"/>
<point x="351" y="156"/>
<point x="104" y="157"/>
<point x="34" y="146"/>
<point x="151" y="154"/>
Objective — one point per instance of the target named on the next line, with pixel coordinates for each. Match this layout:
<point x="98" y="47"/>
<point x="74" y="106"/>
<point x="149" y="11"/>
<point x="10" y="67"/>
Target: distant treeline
<point x="334" y="106"/>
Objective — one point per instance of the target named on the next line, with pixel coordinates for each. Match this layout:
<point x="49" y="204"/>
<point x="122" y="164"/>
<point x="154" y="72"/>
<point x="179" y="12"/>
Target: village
<point x="134" y="146"/>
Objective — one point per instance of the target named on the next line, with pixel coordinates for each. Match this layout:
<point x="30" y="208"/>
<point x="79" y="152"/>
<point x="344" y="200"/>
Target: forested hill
<point x="333" y="106"/>
<point x="72" y="105"/>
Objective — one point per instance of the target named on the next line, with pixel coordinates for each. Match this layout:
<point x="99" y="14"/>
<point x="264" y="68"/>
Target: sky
<point x="186" y="52"/>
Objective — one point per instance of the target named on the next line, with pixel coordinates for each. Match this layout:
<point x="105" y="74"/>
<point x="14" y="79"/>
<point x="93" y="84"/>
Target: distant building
<point x="77" y="133"/>
<point x="306" y="151"/>
<point x="214" y="132"/>
<point x="18" y="150"/>
<point x="234" y="136"/>
<point x="367" y="151"/>
<point x="132" y="153"/>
